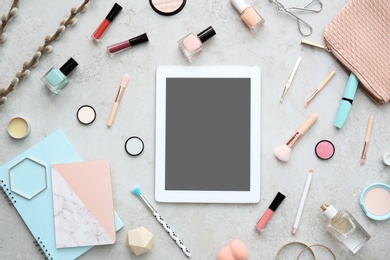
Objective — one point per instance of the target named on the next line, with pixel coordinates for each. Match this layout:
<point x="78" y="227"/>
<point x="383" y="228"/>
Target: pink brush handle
<point x="309" y="122"/>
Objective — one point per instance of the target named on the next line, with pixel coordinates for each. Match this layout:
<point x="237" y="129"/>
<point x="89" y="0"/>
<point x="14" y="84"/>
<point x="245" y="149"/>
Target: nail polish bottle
<point x="191" y="44"/>
<point x="99" y="32"/>
<point x="56" y="79"/>
<point x="248" y="15"/>
<point x="121" y="46"/>
<point x="344" y="227"/>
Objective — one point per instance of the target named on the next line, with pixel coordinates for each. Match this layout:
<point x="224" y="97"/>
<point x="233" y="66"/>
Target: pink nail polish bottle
<point x="248" y="15"/>
<point x="191" y="44"/>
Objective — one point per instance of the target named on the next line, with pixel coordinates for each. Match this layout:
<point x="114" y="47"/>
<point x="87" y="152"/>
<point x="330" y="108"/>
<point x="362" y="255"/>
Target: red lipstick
<point x="99" y="32"/>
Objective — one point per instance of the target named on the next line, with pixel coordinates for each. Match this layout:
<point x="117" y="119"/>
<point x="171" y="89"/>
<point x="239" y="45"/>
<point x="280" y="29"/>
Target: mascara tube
<point x="270" y="211"/>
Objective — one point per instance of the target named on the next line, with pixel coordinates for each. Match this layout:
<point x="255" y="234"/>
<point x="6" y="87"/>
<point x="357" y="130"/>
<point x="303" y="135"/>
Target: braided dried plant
<point x="4" y="19"/>
<point x="45" y="48"/>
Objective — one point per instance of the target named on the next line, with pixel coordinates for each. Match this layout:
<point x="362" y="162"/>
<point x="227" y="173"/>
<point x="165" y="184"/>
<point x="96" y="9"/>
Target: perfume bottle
<point x="248" y="15"/>
<point x="344" y="227"/>
<point x="191" y="44"/>
<point x="56" y="79"/>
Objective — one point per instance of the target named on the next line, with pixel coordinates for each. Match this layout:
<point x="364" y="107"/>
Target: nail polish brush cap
<point x="277" y="201"/>
<point x="240" y="5"/>
<point x="114" y="12"/>
<point x="68" y="66"/>
<point x="206" y="34"/>
<point x="139" y="39"/>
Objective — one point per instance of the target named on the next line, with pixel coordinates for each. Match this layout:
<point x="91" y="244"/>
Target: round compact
<point x="86" y="114"/>
<point x="167" y="7"/>
<point x="324" y="149"/>
<point x="386" y="159"/>
<point x="134" y="146"/>
<point x="18" y="128"/>
<point x="375" y="201"/>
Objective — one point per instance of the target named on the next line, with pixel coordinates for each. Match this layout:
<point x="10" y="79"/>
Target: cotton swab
<point x="303" y="200"/>
<point x="368" y="134"/>
<point x="137" y="192"/>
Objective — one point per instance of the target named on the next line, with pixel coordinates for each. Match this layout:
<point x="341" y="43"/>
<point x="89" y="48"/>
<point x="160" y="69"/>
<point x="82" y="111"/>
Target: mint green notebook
<point x="26" y="180"/>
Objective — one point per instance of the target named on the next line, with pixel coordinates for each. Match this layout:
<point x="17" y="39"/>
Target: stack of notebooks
<point x="66" y="204"/>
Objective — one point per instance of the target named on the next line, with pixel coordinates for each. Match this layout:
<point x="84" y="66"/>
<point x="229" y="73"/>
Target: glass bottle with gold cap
<point x="344" y="227"/>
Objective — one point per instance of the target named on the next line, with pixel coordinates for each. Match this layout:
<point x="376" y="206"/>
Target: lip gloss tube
<point x="270" y="211"/>
<point x="121" y="46"/>
<point x="99" y="32"/>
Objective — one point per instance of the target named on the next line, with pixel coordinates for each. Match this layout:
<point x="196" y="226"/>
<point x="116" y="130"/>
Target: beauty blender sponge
<point x="236" y="250"/>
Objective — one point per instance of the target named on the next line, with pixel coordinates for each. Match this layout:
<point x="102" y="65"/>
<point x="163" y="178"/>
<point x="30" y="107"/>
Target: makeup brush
<point x="368" y="133"/>
<point x="137" y="192"/>
<point x="283" y="152"/>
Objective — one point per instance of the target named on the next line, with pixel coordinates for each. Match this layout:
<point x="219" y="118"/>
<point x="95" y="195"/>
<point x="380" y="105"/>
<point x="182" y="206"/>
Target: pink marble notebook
<point x="83" y="204"/>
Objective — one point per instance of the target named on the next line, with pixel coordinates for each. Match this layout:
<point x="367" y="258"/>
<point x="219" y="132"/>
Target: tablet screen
<point x="208" y="134"/>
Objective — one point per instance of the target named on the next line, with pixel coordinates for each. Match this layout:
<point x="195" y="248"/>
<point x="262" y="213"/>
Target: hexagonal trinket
<point x="139" y="240"/>
<point x="28" y="178"/>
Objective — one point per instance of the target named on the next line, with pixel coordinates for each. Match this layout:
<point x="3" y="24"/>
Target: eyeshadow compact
<point x="167" y="7"/>
<point x="375" y="201"/>
<point x="86" y="114"/>
<point x="134" y="146"/>
<point x="324" y="149"/>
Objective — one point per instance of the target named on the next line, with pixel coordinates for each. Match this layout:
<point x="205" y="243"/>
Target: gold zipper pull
<point x="326" y="48"/>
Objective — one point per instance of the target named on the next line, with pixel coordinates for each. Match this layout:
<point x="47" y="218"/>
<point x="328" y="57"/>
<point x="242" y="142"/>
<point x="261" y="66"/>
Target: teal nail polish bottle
<point x="56" y="79"/>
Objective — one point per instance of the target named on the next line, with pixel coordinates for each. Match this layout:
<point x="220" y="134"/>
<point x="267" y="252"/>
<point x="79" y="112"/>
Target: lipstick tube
<point x="121" y="46"/>
<point x="270" y="211"/>
<point x="99" y="32"/>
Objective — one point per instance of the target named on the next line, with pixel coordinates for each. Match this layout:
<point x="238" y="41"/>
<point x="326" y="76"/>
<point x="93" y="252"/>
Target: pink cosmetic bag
<point x="359" y="37"/>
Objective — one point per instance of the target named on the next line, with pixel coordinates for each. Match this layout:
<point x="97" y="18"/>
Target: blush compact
<point x="167" y="7"/>
<point x="324" y="149"/>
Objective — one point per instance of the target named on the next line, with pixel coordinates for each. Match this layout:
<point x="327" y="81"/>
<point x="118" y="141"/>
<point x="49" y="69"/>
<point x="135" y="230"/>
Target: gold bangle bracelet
<point x="306" y="247"/>
<point x="309" y="247"/>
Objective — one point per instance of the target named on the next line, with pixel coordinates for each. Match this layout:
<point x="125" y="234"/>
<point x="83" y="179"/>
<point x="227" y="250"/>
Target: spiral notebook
<point x="31" y="194"/>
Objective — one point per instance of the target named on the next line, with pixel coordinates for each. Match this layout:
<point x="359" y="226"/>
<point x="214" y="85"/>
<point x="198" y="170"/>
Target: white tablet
<point x="208" y="134"/>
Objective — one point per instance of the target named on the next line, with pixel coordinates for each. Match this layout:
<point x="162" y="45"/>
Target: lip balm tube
<point x="99" y="32"/>
<point x="270" y="211"/>
<point x="121" y="46"/>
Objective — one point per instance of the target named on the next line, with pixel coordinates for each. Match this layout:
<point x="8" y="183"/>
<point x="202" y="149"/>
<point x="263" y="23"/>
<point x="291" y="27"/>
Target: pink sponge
<point x="236" y="250"/>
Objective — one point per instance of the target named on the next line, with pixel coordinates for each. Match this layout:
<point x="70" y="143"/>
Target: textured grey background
<point x="203" y="228"/>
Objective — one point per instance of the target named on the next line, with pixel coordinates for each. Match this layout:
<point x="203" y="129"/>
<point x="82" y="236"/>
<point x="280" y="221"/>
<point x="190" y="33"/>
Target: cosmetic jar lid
<point x="134" y="146"/>
<point x="277" y="201"/>
<point x="18" y="128"/>
<point x="114" y="12"/>
<point x="386" y="159"/>
<point x="206" y="34"/>
<point x="86" y="114"/>
<point x="139" y="39"/>
<point x="167" y="7"/>
<point x="240" y="5"/>
<point x="375" y="201"/>
<point x="324" y="149"/>
<point x="68" y="66"/>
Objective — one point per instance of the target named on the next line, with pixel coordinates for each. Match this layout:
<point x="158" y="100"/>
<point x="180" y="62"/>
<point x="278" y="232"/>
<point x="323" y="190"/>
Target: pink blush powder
<point x="377" y="201"/>
<point x="324" y="149"/>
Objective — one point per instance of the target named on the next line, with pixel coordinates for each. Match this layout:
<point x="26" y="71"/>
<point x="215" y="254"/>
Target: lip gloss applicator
<point x="121" y="46"/>
<point x="99" y="32"/>
<point x="270" y="211"/>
